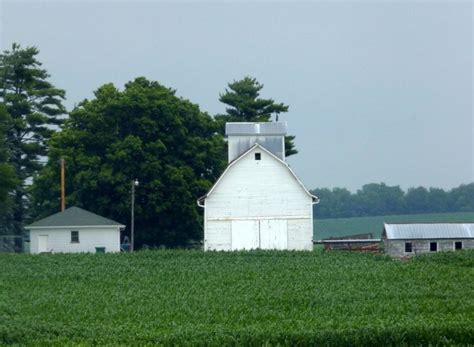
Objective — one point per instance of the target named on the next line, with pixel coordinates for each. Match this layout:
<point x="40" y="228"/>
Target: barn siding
<point x="300" y="234"/>
<point x="59" y="240"/>
<point x="258" y="190"/>
<point x="218" y="235"/>
<point x="397" y="247"/>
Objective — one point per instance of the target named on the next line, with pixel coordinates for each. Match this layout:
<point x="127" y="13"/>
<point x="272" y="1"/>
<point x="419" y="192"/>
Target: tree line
<point x="174" y="149"/>
<point x="378" y="199"/>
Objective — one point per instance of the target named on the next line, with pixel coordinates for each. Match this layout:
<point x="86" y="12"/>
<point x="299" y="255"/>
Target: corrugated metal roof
<point x="252" y="128"/>
<point x="73" y="216"/>
<point x="429" y="231"/>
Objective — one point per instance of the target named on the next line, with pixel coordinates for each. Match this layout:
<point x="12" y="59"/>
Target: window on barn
<point x="458" y="245"/>
<point x="74" y="236"/>
<point x="408" y="247"/>
<point x="258" y="156"/>
<point x="433" y="246"/>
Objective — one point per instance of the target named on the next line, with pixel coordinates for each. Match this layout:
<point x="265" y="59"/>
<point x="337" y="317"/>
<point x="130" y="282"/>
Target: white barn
<point x="258" y="202"/>
<point x="74" y="230"/>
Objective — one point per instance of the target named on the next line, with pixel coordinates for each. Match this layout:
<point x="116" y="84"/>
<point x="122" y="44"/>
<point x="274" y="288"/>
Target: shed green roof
<point x="73" y="216"/>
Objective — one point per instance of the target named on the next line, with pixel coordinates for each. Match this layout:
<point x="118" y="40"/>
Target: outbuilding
<point x="74" y="230"/>
<point x="411" y="239"/>
<point x="258" y="202"/>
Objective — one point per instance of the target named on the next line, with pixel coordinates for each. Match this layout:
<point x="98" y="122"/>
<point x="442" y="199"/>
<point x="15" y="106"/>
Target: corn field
<point x="252" y="298"/>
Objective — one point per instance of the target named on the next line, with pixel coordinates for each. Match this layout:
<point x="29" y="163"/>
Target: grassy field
<point x="254" y="298"/>
<point x="324" y="228"/>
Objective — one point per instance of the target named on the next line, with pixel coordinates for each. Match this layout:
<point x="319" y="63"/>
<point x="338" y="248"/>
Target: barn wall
<point x="59" y="240"/>
<point x="397" y="247"/>
<point x="217" y="235"/>
<point x="258" y="190"/>
<point x="300" y="234"/>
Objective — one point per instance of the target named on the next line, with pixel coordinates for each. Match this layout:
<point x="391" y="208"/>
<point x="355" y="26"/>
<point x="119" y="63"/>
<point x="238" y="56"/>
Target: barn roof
<point x="428" y="231"/>
<point x="315" y="198"/>
<point x="73" y="216"/>
<point x="252" y="128"/>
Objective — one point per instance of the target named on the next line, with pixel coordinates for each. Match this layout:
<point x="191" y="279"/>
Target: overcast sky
<point x="378" y="92"/>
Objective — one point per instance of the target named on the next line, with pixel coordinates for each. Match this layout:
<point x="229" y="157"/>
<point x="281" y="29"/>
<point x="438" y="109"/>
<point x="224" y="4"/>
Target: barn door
<point x="273" y="234"/>
<point x="245" y="234"/>
<point x="42" y="243"/>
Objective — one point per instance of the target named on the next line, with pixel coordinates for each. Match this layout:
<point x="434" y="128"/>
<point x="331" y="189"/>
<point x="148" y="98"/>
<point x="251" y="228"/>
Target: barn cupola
<point x="242" y="136"/>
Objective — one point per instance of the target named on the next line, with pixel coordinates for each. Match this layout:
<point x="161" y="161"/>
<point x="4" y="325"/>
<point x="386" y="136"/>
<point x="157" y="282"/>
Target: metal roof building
<point x="429" y="231"/>
<point x="410" y="239"/>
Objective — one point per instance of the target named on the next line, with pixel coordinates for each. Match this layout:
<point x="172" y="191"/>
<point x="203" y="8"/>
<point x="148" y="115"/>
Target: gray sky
<point x="378" y="91"/>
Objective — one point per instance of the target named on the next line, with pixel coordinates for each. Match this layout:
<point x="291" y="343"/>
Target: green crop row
<point x="251" y="298"/>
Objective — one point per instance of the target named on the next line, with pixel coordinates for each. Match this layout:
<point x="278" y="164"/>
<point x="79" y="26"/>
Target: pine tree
<point x="7" y="174"/>
<point x="245" y="105"/>
<point x="34" y="106"/>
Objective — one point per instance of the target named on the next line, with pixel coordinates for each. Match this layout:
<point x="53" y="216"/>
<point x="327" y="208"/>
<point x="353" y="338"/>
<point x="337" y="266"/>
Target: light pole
<point x="132" y="236"/>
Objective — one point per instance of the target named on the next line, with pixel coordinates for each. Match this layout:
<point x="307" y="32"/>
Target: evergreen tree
<point x="7" y="174"/>
<point x="245" y="105"/>
<point x="34" y="106"/>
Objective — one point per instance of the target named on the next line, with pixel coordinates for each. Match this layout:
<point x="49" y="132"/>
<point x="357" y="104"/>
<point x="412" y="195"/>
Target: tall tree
<point x="417" y="200"/>
<point x="245" y="105"/>
<point x="7" y="174"/>
<point x="462" y="198"/>
<point x="335" y="203"/>
<point x="34" y="106"/>
<point x="377" y="199"/>
<point x="144" y="132"/>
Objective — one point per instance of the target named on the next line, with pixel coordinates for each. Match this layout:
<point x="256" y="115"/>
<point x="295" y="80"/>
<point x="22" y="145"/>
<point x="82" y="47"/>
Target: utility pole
<point x="132" y="236"/>
<point x="63" y="193"/>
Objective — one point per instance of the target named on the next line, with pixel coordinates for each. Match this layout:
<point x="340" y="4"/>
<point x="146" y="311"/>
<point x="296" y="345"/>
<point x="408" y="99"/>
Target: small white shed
<point x="258" y="202"/>
<point x="74" y="230"/>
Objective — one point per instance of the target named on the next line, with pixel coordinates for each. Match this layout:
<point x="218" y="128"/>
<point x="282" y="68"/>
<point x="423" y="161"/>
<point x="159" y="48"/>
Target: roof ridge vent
<point x="257" y="128"/>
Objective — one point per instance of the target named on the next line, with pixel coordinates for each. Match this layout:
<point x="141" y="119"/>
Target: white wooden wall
<point x="59" y="240"/>
<point x="262" y="191"/>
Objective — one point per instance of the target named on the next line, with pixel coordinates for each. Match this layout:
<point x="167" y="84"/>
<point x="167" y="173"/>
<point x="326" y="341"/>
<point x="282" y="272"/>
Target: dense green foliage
<point x="33" y="105"/>
<point x="144" y="132"/>
<point x="325" y="228"/>
<point x="379" y="199"/>
<point x="7" y="173"/>
<point x="251" y="298"/>
<point x="245" y="105"/>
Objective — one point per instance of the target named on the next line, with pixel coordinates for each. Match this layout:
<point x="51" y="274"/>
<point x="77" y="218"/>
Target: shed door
<point x="245" y="234"/>
<point x="273" y="234"/>
<point x="42" y="243"/>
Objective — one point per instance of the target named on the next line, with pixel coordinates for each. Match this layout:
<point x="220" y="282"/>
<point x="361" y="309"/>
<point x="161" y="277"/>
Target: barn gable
<point x="267" y="162"/>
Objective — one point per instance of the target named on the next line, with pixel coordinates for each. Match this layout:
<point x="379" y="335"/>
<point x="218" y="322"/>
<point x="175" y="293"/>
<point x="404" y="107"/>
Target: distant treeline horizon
<point x="378" y="199"/>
